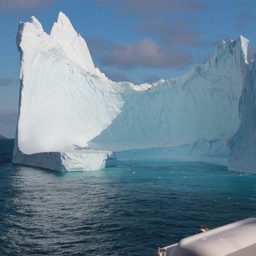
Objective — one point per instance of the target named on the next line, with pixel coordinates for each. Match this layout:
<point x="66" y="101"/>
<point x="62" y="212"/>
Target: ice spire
<point x="36" y="23"/>
<point x="243" y="43"/>
<point x="73" y="44"/>
<point x="63" y="26"/>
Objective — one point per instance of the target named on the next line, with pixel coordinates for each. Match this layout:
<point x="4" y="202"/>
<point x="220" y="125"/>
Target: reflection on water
<point x="125" y="210"/>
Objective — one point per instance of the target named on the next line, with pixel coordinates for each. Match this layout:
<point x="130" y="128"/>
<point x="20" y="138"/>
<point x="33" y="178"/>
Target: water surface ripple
<point x="125" y="210"/>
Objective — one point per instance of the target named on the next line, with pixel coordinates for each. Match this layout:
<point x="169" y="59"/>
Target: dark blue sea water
<point x="125" y="210"/>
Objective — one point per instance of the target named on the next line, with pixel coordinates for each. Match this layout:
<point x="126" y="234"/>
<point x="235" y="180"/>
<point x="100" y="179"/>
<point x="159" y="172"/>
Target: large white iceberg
<point x="60" y="108"/>
<point x="67" y="104"/>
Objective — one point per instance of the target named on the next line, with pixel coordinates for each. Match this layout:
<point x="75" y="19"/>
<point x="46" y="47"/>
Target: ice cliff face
<point x="203" y="104"/>
<point x="63" y="100"/>
<point x="242" y="146"/>
<point x="168" y="119"/>
<point x="66" y="101"/>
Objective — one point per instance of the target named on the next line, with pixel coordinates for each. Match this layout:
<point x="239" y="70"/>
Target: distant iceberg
<point x="242" y="146"/>
<point x="67" y="104"/>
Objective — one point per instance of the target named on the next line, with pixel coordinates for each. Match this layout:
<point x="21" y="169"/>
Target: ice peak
<point x="62" y="15"/>
<point x="241" y="38"/>
<point x="243" y="45"/>
<point x="73" y="44"/>
<point x="36" y="23"/>
<point x="63" y="20"/>
<point x="63" y="25"/>
<point x="222" y="41"/>
<point x="243" y="42"/>
<point x="238" y="47"/>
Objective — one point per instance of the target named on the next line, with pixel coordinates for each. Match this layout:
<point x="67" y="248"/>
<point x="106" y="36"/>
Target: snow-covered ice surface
<point x="66" y="101"/>
<point x="242" y="146"/>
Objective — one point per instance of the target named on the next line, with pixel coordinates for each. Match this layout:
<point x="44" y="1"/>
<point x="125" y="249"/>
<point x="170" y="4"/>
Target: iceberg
<point x="58" y="113"/>
<point x="242" y="146"/>
<point x="72" y="117"/>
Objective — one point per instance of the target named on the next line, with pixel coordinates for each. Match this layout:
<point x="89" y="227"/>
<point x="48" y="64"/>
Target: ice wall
<point x="66" y="101"/>
<point x="62" y="102"/>
<point x="242" y="146"/>
<point x="201" y="106"/>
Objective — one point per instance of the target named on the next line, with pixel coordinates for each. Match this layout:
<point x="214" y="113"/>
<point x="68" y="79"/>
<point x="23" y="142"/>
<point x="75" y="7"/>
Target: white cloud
<point x="146" y="53"/>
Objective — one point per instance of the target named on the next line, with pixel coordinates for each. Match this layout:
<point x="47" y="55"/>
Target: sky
<point x="129" y="40"/>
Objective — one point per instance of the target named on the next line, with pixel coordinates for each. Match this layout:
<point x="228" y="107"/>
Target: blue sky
<point x="134" y="40"/>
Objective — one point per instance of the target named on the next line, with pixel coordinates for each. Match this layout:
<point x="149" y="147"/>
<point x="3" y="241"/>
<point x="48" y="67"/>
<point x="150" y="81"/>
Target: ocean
<point x="122" y="210"/>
